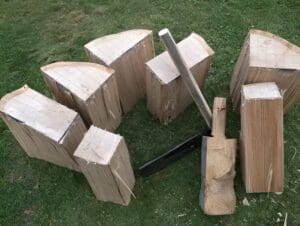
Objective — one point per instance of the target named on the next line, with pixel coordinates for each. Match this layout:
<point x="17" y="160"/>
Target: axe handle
<point x="186" y="75"/>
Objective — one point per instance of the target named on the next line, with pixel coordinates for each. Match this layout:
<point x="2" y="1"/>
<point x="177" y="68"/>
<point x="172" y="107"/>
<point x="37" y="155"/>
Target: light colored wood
<point x="167" y="95"/>
<point x="262" y="158"/>
<point x="186" y="75"/>
<point x="217" y="196"/>
<point x="267" y="58"/>
<point x="126" y="53"/>
<point x="88" y="88"/>
<point x="104" y="160"/>
<point x="44" y="129"/>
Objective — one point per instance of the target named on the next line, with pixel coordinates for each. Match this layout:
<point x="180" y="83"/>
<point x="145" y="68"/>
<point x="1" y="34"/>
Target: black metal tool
<point x="173" y="154"/>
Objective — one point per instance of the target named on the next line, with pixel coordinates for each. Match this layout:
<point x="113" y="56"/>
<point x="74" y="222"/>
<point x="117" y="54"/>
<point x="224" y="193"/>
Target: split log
<point x="267" y="58"/>
<point x="44" y="129"/>
<point x="104" y="160"/>
<point x="126" y="53"/>
<point x="167" y="95"/>
<point x="89" y="89"/>
<point x="217" y="196"/>
<point x="262" y="154"/>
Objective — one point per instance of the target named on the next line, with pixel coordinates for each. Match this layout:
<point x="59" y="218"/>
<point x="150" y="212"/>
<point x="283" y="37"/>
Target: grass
<point x="34" y="33"/>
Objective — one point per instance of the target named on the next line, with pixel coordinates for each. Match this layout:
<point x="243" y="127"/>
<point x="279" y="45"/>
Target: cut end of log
<point x="110" y="47"/>
<point x="266" y="90"/>
<point x="163" y="32"/>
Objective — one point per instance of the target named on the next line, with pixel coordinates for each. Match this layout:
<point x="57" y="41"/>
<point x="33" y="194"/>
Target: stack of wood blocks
<point x="264" y="85"/>
<point x="167" y="95"/>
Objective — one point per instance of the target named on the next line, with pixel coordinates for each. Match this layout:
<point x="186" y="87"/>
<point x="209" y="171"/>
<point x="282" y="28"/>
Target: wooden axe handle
<point x="186" y="75"/>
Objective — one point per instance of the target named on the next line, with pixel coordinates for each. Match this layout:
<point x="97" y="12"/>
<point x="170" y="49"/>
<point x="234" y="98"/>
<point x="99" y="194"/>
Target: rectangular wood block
<point x="104" y="160"/>
<point x="267" y="58"/>
<point x="262" y="157"/>
<point x="89" y="88"/>
<point x="167" y="95"/>
<point x="45" y="129"/>
<point x="125" y="52"/>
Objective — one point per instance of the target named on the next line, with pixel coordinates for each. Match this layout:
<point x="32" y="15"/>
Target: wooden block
<point x="267" y="58"/>
<point x="89" y="89"/>
<point x="167" y="95"/>
<point x="262" y="158"/>
<point x="217" y="196"/>
<point x="104" y="160"/>
<point x="45" y="129"/>
<point x="126" y="53"/>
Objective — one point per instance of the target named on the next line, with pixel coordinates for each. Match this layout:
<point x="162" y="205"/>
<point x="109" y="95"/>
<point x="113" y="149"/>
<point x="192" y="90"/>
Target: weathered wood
<point x="44" y="129"/>
<point x="88" y="88"/>
<point x="104" y="160"/>
<point x="262" y="157"/>
<point x="267" y="58"/>
<point x="126" y="53"/>
<point x="186" y="75"/>
<point x="217" y="196"/>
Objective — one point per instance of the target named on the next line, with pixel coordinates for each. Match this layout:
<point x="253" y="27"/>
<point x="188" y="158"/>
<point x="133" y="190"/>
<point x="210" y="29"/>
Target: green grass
<point x="35" y="33"/>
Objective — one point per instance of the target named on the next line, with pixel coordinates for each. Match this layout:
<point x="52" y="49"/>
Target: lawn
<point x="34" y="33"/>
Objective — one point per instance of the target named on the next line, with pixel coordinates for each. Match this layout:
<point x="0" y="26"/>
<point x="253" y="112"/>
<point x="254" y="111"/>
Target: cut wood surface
<point x="267" y="58"/>
<point x="126" y="53"/>
<point x="217" y="196"/>
<point x="44" y="129"/>
<point x="262" y="157"/>
<point x="104" y="160"/>
<point x="167" y="95"/>
<point x="88" y="88"/>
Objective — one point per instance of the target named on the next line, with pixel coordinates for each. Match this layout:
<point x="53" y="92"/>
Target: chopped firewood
<point x="89" y="88"/>
<point x="125" y="52"/>
<point x="262" y="138"/>
<point x="104" y="160"/>
<point x="217" y="196"/>
<point x="267" y="58"/>
<point x="167" y="95"/>
<point x="44" y="129"/>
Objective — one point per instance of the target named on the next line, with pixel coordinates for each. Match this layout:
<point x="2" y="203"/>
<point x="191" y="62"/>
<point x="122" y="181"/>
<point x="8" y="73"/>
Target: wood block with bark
<point x="45" y="129"/>
<point x="217" y="196"/>
<point x="167" y="95"/>
<point x="88" y="88"/>
<point x="126" y="53"/>
<point x="104" y="160"/>
<point x="262" y="157"/>
<point x="267" y="58"/>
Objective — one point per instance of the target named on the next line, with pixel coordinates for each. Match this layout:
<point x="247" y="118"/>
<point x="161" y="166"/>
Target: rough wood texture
<point x="262" y="158"/>
<point x="186" y="75"/>
<point x="267" y="58"/>
<point x="167" y="95"/>
<point x="104" y="160"/>
<point x="45" y="129"/>
<point x="217" y="196"/>
<point x="88" y="88"/>
<point x="126" y="52"/>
